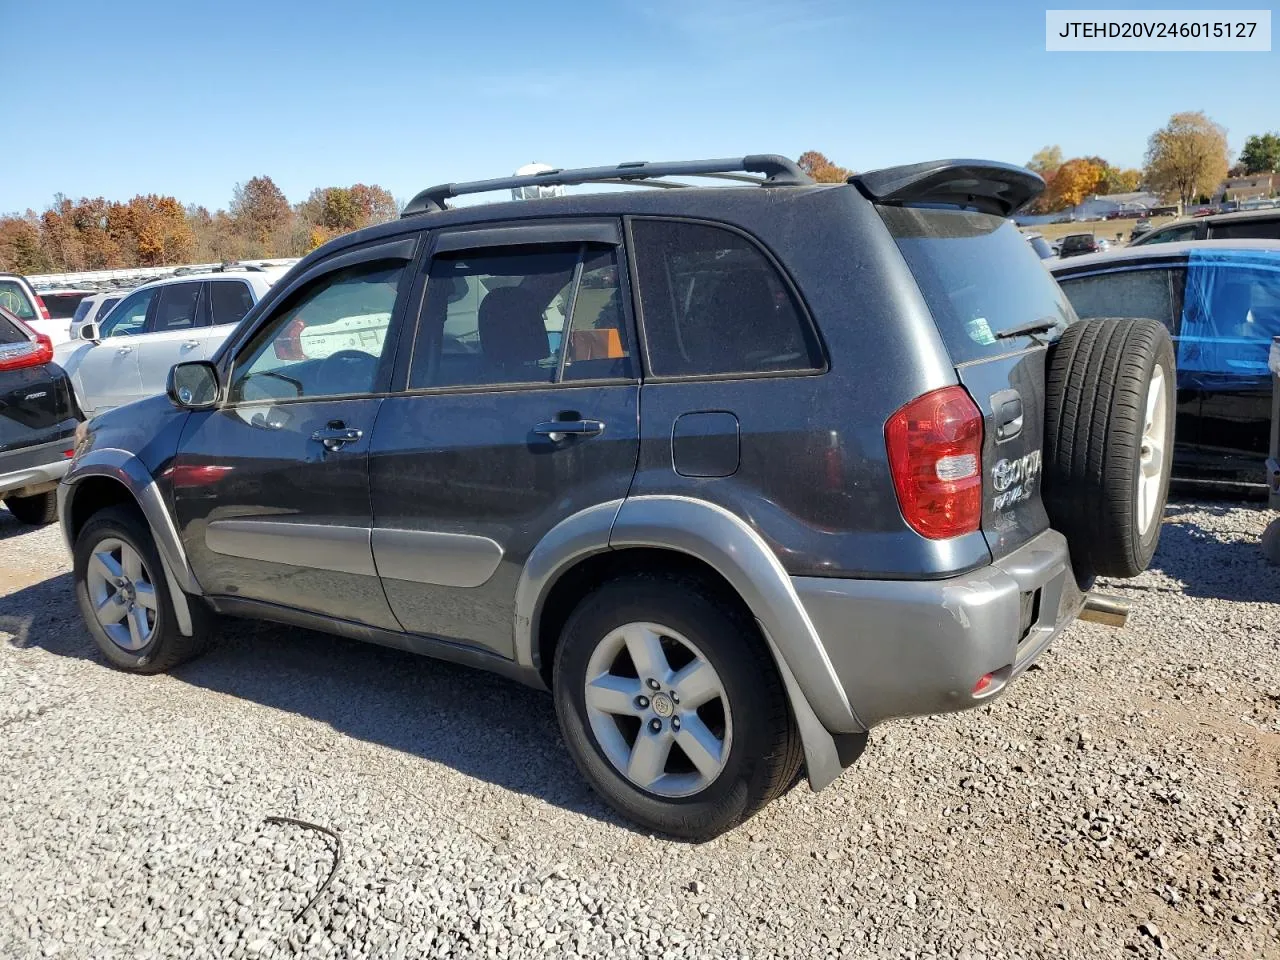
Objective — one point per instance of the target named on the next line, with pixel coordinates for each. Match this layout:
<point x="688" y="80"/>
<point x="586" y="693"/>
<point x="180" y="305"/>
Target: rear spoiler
<point x="985" y="185"/>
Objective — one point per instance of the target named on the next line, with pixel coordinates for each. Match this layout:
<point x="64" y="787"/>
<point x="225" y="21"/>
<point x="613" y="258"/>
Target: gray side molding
<point x="723" y="540"/>
<point x="128" y="470"/>
<point x="573" y="538"/>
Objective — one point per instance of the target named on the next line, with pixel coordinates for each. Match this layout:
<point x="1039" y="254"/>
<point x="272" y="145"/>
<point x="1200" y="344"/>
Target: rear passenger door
<point x="172" y="335"/>
<point x="518" y="408"/>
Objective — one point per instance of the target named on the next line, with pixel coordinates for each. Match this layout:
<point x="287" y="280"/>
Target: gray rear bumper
<point x="30" y="470"/>
<point x="905" y="648"/>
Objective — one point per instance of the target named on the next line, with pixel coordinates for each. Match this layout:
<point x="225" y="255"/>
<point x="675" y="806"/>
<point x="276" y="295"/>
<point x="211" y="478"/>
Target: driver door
<point x="271" y="489"/>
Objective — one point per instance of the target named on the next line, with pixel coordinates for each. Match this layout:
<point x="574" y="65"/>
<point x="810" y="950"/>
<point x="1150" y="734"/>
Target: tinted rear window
<point x="14" y="299"/>
<point x="978" y="275"/>
<point x="62" y="306"/>
<point x="82" y="310"/>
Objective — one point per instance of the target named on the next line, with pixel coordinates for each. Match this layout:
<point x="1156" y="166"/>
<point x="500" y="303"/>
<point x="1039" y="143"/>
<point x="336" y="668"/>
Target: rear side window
<point x="978" y="277"/>
<point x="713" y="303"/>
<point x="106" y="306"/>
<point x="1154" y="293"/>
<point x="230" y="300"/>
<point x="14" y="299"/>
<point x="1261" y="229"/>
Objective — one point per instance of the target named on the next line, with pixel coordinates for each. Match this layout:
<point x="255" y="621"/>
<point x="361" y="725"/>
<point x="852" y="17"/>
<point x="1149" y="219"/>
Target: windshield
<point x="979" y="277"/>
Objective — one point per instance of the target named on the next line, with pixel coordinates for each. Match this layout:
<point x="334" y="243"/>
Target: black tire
<point x="168" y="647"/>
<point x="38" y="509"/>
<point x="765" y="751"/>
<point x="1096" y="385"/>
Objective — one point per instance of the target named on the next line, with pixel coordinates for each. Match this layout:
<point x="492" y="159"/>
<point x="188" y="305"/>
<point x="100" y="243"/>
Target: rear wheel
<point x="124" y="598"/>
<point x="1109" y="442"/>
<point x="40" y="508"/>
<point x="672" y="708"/>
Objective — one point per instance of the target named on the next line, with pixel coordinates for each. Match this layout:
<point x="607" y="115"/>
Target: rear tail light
<point x="935" y="456"/>
<point x="33" y="353"/>
<point x="44" y="311"/>
<point x="288" y="345"/>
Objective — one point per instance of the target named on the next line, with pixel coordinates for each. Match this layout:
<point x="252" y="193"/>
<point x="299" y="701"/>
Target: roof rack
<point x="774" y="170"/>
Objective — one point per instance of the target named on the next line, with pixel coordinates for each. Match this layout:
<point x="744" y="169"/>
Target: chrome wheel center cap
<point x="662" y="705"/>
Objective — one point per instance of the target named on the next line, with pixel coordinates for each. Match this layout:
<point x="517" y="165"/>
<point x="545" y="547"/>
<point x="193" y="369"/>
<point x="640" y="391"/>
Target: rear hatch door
<point x="982" y="283"/>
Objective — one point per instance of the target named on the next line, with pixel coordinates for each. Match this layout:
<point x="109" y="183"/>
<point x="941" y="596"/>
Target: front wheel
<point x="124" y="598"/>
<point x="672" y="708"/>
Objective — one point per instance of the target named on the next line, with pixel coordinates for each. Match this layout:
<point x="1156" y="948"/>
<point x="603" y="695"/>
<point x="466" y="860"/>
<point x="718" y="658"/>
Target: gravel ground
<point x="1123" y="799"/>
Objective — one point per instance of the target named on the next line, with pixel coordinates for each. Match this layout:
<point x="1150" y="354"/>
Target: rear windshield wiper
<point x="1028" y="329"/>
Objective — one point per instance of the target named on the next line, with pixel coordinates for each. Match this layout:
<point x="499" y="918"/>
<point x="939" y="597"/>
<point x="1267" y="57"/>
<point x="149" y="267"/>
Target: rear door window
<point x="1231" y="312"/>
<point x="1171" y="234"/>
<point x="1155" y="292"/>
<point x="177" y="307"/>
<point x="14" y="299"/>
<point x="978" y="277"/>
<point x="713" y="303"/>
<point x="229" y="300"/>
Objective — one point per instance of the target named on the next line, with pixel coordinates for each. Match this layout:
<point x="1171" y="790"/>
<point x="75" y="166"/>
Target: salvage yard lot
<point x="1124" y="796"/>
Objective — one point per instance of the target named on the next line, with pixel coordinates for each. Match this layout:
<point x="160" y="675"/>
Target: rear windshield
<point x="62" y="306"/>
<point x="14" y="299"/>
<point x="82" y="309"/>
<point x="979" y="277"/>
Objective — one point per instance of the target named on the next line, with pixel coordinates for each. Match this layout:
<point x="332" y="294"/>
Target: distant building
<point x="1257" y="185"/>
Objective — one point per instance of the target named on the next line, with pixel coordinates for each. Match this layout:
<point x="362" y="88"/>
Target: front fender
<point x="131" y="473"/>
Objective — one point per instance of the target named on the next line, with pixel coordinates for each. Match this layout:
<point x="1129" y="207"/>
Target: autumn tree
<point x="260" y="210"/>
<point x="821" y="169"/>
<point x="330" y="211"/>
<point x="1115" y="180"/>
<point x="1187" y="157"/>
<point x="1261" y="153"/>
<point x="1072" y="183"/>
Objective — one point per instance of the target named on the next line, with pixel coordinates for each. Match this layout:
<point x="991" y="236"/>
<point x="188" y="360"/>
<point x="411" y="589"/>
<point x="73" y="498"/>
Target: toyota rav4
<point x="737" y="472"/>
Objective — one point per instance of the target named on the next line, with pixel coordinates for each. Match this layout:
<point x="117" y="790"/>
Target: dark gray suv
<point x="737" y="472"/>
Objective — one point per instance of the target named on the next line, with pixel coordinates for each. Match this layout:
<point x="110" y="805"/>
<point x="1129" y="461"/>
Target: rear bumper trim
<point x="35" y="466"/>
<point x="908" y="648"/>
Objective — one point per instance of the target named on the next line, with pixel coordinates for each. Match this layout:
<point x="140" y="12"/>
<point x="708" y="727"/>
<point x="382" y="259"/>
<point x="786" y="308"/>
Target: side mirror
<point x="193" y="385"/>
<point x="89" y="331"/>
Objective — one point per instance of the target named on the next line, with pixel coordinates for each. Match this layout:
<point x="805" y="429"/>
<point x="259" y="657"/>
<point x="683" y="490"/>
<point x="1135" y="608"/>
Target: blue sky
<point x="189" y="98"/>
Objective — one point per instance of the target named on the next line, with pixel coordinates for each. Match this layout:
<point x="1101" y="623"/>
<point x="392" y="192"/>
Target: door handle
<point x="557" y="430"/>
<point x="190" y="344"/>
<point x="124" y="350"/>
<point x="335" y="437"/>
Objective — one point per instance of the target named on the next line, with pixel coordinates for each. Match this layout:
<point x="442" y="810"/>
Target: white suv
<point x="128" y="354"/>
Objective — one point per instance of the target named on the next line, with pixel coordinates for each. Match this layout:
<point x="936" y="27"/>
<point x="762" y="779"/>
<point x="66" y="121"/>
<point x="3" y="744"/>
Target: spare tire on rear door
<point x="1109" y="405"/>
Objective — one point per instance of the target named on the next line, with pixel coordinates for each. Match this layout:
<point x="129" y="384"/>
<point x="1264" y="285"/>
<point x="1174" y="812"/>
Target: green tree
<point x="1187" y="157"/>
<point x="260" y="211"/>
<point x="1261" y="153"/>
<point x="1046" y="162"/>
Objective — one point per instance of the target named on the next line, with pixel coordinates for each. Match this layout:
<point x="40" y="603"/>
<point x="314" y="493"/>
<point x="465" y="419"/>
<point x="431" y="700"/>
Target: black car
<point x="737" y="473"/>
<point x="1077" y="244"/>
<point x="1244" y="225"/>
<point x="38" y="417"/>
<point x="1221" y="301"/>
